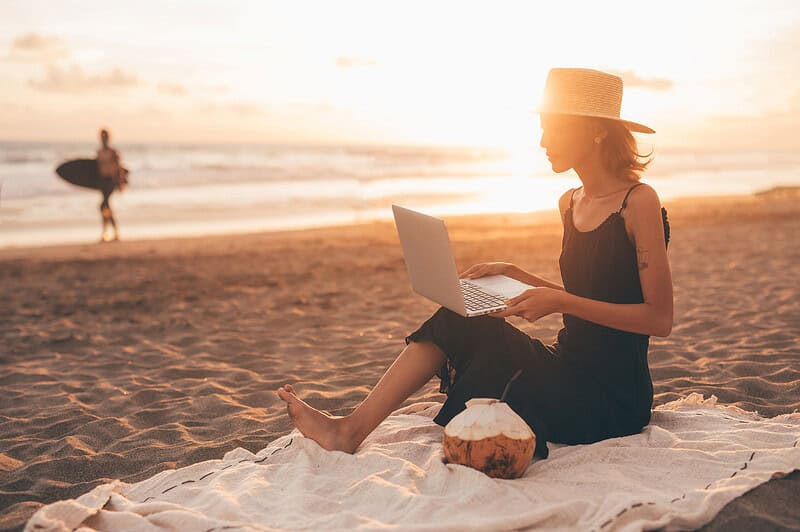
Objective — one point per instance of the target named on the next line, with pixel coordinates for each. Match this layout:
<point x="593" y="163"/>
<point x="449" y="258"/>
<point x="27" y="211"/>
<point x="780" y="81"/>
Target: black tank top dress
<point x="593" y="383"/>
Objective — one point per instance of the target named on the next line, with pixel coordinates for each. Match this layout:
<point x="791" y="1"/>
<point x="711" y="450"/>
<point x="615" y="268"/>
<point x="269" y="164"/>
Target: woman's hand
<point x="487" y="268"/>
<point x="533" y="304"/>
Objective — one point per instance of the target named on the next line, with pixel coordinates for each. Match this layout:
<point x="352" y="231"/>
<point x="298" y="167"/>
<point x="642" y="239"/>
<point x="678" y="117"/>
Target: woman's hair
<point x="620" y="152"/>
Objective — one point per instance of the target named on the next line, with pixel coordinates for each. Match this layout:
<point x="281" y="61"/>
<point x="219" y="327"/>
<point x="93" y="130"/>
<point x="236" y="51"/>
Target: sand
<point x="122" y="360"/>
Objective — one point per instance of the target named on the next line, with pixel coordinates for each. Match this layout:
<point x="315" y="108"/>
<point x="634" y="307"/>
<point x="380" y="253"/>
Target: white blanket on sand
<point x="693" y="458"/>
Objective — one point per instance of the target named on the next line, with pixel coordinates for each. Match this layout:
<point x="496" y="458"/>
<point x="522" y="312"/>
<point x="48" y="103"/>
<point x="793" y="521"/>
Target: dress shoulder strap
<point x="625" y="201"/>
<point x="572" y="197"/>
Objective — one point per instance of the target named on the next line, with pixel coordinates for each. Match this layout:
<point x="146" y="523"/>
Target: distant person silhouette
<point x="114" y="176"/>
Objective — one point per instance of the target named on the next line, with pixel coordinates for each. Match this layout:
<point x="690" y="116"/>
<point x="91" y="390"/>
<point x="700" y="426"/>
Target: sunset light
<point x="418" y="265"/>
<point x="448" y="73"/>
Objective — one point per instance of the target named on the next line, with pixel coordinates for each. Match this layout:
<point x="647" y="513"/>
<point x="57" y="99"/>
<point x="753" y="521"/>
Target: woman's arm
<point x="654" y="316"/>
<point x="509" y="270"/>
<point x="515" y="272"/>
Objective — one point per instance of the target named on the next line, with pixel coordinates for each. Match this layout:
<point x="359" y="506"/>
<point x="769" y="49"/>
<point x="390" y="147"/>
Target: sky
<point x="706" y="75"/>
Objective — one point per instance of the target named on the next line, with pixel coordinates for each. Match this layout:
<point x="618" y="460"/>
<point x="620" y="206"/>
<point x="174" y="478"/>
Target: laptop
<point x="432" y="268"/>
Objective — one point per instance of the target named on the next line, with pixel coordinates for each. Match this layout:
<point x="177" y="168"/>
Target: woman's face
<point x="567" y="139"/>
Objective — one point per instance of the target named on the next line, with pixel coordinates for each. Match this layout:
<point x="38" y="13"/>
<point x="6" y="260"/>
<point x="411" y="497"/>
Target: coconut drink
<point x="490" y="437"/>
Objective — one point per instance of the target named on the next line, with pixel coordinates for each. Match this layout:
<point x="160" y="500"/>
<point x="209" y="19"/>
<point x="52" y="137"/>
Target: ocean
<point x="185" y="190"/>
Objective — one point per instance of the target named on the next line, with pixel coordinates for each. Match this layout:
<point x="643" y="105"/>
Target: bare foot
<point x="328" y="431"/>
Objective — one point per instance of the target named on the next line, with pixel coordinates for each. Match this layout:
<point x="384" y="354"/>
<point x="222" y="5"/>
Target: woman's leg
<point x="410" y="371"/>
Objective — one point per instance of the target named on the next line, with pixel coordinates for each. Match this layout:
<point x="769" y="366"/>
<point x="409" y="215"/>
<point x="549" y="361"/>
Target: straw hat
<point x="586" y="92"/>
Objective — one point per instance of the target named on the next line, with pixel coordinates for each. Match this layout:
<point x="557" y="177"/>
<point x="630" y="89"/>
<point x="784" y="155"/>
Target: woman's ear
<point x="600" y="135"/>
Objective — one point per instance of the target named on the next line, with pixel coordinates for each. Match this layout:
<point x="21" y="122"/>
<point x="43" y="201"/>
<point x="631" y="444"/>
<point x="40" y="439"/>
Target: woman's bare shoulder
<point x="643" y="198"/>
<point x="643" y="215"/>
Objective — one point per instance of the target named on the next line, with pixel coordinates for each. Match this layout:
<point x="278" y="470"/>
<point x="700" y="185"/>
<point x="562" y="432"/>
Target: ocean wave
<point x="24" y="158"/>
<point x="27" y="168"/>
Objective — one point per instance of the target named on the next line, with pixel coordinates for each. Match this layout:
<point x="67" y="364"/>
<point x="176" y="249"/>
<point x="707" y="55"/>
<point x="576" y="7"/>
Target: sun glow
<point x="411" y="73"/>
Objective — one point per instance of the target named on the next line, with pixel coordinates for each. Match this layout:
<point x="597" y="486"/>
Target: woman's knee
<point x="448" y="315"/>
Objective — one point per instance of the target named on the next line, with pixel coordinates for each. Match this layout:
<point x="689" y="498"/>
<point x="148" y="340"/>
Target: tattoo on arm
<point x="643" y="257"/>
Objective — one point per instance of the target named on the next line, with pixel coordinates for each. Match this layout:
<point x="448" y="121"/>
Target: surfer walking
<point x="113" y="176"/>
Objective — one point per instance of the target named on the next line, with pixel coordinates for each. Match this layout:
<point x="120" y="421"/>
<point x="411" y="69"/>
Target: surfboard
<point x="83" y="173"/>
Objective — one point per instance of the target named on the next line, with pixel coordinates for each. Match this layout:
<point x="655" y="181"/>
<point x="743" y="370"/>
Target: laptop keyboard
<point x="476" y="299"/>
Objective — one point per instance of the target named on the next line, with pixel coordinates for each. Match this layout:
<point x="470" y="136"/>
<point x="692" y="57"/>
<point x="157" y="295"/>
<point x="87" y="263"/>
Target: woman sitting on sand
<point x="594" y="382"/>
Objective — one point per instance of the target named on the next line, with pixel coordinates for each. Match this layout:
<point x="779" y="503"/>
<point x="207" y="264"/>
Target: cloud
<point x="632" y="79"/>
<point x="355" y="62"/>
<point x="35" y="42"/>
<point x="174" y="89"/>
<point x="772" y="129"/>
<point x="75" y="79"/>
<point x="37" y="47"/>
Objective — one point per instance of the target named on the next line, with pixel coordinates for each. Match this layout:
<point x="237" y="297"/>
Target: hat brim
<point x="633" y="126"/>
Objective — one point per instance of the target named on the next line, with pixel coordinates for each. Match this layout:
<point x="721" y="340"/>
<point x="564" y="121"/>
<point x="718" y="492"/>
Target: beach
<point x="119" y="361"/>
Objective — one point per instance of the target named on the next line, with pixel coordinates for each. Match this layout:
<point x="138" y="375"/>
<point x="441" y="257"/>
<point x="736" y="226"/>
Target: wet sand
<point x="122" y="360"/>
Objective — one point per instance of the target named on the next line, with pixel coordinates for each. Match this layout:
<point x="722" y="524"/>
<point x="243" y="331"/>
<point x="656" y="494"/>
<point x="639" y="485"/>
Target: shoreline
<point x="690" y="207"/>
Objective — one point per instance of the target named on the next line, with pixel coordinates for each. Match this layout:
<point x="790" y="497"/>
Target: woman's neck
<point x="598" y="181"/>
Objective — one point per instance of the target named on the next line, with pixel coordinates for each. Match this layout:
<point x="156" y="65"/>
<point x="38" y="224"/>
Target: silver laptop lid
<point x="429" y="258"/>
